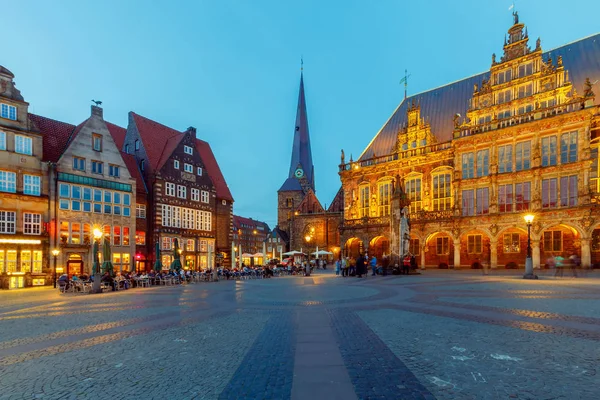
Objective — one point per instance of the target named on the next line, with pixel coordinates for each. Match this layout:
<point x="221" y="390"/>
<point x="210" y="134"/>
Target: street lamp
<point x="528" y="261"/>
<point x="55" y="253"/>
<point x="308" y="238"/>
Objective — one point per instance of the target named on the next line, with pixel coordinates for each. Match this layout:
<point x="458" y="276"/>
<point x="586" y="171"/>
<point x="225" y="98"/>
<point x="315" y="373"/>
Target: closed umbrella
<point x="264" y="253"/>
<point x="107" y="265"/>
<point x="96" y="266"/>
<point x="232" y="255"/>
<point x="176" y="264"/>
<point x="157" y="263"/>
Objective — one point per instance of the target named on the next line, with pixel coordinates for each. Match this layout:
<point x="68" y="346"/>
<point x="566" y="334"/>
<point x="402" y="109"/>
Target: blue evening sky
<point x="232" y="68"/>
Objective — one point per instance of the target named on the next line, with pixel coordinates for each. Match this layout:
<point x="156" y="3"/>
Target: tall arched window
<point x="363" y="200"/>
<point x="384" y="190"/>
<point x="413" y="191"/>
<point x="442" y="190"/>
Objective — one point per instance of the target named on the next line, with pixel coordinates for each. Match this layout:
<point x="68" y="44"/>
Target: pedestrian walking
<point x="338" y="266"/>
<point x="361" y="266"/>
<point x="373" y="263"/>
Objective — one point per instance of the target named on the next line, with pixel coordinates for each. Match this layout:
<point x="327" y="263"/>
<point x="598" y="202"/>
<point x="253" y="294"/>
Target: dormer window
<point x="137" y="144"/>
<point x="188" y="150"/>
<point x="142" y="165"/>
<point x="97" y="142"/>
<point x="127" y="148"/>
<point x="9" y="112"/>
<point x="176" y="164"/>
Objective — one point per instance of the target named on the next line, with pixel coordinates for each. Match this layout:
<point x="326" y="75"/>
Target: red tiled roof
<point x="117" y="133"/>
<point x="135" y="173"/>
<point x="213" y="170"/>
<point x="156" y="138"/>
<point x="56" y="136"/>
<point x="238" y="221"/>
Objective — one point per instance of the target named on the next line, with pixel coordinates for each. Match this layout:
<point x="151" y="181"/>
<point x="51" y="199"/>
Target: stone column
<point x="423" y="257"/>
<point x="535" y="253"/>
<point x="493" y="254"/>
<point x="457" y="254"/>
<point x="586" y="254"/>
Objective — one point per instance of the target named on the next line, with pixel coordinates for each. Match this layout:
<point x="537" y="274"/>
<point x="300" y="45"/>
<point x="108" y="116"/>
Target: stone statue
<point x="343" y="157"/>
<point x="516" y="17"/>
<point x="404" y="232"/>
<point x="538" y="43"/>
<point x="587" y="88"/>
<point x="493" y="58"/>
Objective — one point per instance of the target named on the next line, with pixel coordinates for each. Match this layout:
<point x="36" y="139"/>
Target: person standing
<point x="373" y="263"/>
<point x="338" y="266"/>
<point x="344" y="266"/>
<point x="361" y="266"/>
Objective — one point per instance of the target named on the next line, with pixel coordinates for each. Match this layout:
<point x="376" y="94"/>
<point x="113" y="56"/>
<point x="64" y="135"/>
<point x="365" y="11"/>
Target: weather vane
<point x="405" y="81"/>
<point x="98" y="102"/>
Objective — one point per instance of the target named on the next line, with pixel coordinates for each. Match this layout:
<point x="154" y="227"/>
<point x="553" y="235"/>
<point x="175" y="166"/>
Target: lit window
<point x="32" y="224"/>
<point x="23" y="144"/>
<point x="505" y="198"/>
<point x="204" y="196"/>
<point x="125" y="238"/>
<point x="166" y="243"/>
<point x="117" y="235"/>
<point x="7" y="221"/>
<point x="140" y="237"/>
<point x="188" y="168"/>
<point x="97" y="142"/>
<point x="442" y="192"/>
<point x="8" y="182"/>
<point x="468" y="203"/>
<point x="384" y="198"/>
<point x="188" y="150"/>
<point x="190" y="245"/>
<point x="2" y="142"/>
<point x="176" y="164"/>
<point x="512" y="243"/>
<point x="364" y="201"/>
<point x="413" y="191"/>
<point x="31" y="185"/>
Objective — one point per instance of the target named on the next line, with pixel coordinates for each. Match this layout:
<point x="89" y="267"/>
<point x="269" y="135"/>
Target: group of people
<point x="349" y="266"/>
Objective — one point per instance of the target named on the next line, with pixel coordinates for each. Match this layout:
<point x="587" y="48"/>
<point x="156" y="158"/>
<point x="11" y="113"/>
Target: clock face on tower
<point x="299" y="173"/>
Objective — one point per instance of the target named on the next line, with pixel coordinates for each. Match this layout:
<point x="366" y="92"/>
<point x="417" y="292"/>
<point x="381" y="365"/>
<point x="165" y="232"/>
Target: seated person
<point x="106" y="278"/>
<point x="63" y="280"/>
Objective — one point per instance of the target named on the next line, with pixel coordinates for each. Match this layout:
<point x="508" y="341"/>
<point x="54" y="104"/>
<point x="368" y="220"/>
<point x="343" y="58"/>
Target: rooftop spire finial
<point x="301" y="63"/>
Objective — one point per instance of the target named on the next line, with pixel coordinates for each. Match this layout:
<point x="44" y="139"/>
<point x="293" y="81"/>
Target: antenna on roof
<point x="405" y="81"/>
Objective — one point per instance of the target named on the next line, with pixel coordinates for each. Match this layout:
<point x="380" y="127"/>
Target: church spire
<point x="301" y="165"/>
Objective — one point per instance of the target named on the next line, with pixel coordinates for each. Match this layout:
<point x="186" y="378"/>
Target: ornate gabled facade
<point x="24" y="245"/>
<point x="300" y="215"/>
<point x="517" y="139"/>
<point x="91" y="189"/>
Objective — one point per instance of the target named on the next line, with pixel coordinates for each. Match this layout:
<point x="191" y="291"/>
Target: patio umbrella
<point x="293" y="253"/>
<point x="176" y="264"/>
<point x="322" y="253"/>
<point x="157" y="263"/>
<point x="107" y="265"/>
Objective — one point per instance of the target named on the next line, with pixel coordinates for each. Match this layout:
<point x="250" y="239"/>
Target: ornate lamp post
<point x="96" y="267"/>
<point x="308" y="238"/>
<point x="55" y="253"/>
<point x="528" y="261"/>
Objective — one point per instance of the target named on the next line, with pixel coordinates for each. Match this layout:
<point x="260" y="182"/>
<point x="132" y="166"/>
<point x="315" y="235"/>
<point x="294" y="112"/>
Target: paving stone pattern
<point x="267" y="370"/>
<point x="442" y="334"/>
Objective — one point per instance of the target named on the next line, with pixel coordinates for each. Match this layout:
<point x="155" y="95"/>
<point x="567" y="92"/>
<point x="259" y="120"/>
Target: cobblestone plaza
<point x="439" y="335"/>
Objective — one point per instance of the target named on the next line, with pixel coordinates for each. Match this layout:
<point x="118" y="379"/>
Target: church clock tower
<point x="301" y="176"/>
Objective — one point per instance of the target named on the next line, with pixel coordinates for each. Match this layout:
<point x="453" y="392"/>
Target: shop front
<point x="22" y="263"/>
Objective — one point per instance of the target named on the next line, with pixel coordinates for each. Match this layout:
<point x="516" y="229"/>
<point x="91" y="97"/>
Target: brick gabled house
<point x="184" y="202"/>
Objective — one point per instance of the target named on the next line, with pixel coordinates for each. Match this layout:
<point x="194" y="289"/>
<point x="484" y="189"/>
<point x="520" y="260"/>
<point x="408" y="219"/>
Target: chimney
<point x="97" y="111"/>
<point x="192" y="130"/>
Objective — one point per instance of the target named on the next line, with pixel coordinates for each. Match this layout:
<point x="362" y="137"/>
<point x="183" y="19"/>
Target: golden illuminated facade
<point x="518" y="139"/>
